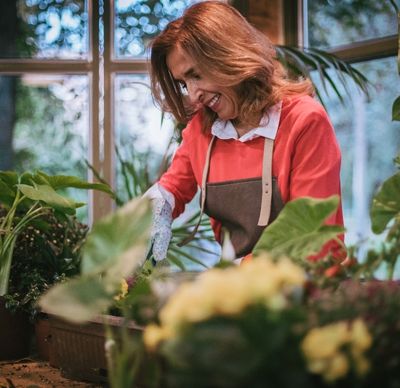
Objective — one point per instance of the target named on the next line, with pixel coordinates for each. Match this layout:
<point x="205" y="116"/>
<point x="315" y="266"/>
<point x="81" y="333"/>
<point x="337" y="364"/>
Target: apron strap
<point x="206" y="169"/>
<point x="266" y="197"/>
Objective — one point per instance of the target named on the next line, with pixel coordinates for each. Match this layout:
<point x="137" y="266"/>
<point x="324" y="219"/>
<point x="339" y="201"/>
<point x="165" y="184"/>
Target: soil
<point x="36" y="374"/>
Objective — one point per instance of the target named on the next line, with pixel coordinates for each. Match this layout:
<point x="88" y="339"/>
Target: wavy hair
<point x="228" y="50"/>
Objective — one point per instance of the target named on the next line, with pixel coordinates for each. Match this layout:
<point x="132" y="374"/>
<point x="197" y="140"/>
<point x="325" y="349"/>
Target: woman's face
<point x="202" y="90"/>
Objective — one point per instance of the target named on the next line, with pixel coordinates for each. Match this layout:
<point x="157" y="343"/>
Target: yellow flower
<point x="337" y="368"/>
<point x="325" y="352"/>
<point x="153" y="335"/>
<point x="123" y="290"/>
<point x="229" y="292"/>
<point x="290" y="274"/>
<point x="361" y="339"/>
<point x="325" y="341"/>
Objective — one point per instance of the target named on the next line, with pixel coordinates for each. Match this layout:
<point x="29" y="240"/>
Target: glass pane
<point x="138" y="21"/>
<point x="336" y="22"/>
<point x="56" y="29"/>
<point x="369" y="141"/>
<point x="45" y="126"/>
<point x="142" y="135"/>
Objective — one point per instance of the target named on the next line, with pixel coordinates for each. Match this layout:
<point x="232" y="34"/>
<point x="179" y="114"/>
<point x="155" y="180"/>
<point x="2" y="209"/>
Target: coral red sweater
<point x="306" y="158"/>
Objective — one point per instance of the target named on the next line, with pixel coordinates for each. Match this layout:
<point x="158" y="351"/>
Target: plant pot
<point x="43" y="337"/>
<point x="78" y="349"/>
<point x="15" y="334"/>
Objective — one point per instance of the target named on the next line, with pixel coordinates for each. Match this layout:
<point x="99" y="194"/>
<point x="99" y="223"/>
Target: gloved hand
<point x="161" y="228"/>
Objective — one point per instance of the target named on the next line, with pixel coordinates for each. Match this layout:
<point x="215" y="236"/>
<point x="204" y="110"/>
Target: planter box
<point x="78" y="350"/>
<point x="15" y="334"/>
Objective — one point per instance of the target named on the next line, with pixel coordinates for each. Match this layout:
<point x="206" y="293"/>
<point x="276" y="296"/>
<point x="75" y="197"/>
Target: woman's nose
<point x="195" y="93"/>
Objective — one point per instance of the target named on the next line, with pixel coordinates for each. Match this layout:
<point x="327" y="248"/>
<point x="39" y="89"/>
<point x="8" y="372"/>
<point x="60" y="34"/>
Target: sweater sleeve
<point x="179" y="179"/>
<point x="316" y="162"/>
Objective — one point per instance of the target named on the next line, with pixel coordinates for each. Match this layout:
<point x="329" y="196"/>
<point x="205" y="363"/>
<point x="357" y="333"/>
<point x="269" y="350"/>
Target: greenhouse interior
<point x="200" y="194"/>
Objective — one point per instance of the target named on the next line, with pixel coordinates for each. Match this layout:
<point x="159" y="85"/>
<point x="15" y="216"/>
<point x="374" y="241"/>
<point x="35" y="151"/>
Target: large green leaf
<point x="386" y="204"/>
<point x="396" y="110"/>
<point x="48" y="195"/>
<point x="299" y="231"/>
<point x="79" y="299"/>
<point x="64" y="181"/>
<point x="115" y="247"/>
<point x="117" y="243"/>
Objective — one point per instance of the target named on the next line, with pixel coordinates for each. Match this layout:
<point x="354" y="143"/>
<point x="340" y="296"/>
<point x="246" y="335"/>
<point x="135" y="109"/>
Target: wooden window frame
<point x="101" y="68"/>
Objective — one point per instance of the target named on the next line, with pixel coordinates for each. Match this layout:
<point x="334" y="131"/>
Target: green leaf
<point x="9" y="177"/>
<point x="65" y="181"/>
<point x="299" y="231"/>
<point x="7" y="195"/>
<point x="79" y="299"/>
<point x="118" y="243"/>
<point x="386" y="204"/>
<point x="114" y="248"/>
<point x="48" y="195"/>
<point x="396" y="110"/>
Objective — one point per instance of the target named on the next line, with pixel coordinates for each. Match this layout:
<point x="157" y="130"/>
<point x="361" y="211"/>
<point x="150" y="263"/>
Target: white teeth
<point x="214" y="100"/>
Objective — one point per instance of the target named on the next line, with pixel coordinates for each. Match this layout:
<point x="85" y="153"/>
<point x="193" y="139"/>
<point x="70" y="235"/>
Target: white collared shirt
<point x="268" y="127"/>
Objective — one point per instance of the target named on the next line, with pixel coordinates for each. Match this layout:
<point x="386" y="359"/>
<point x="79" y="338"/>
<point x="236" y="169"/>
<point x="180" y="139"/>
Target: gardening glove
<point x="161" y="228"/>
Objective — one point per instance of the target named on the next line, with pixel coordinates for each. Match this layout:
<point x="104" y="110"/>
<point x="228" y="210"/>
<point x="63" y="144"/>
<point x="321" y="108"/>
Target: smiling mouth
<point x="214" y="101"/>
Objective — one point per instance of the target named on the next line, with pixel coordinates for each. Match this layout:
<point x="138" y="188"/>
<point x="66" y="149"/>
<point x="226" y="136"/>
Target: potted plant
<point x="78" y="308"/>
<point x="31" y="212"/>
<point x="46" y="252"/>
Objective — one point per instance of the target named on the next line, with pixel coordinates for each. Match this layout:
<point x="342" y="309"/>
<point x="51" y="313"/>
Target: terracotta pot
<point x="15" y="334"/>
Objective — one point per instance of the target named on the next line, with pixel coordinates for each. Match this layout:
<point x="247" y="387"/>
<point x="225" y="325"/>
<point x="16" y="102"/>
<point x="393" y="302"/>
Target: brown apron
<point x="244" y="207"/>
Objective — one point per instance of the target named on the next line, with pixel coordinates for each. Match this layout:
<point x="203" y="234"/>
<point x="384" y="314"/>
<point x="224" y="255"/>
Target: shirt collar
<point x="267" y="128"/>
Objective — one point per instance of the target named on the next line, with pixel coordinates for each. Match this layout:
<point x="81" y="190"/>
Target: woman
<point x="254" y="139"/>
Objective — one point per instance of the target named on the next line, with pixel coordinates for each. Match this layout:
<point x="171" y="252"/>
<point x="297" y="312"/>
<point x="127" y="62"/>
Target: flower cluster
<point x="227" y="292"/>
<point x="123" y="291"/>
<point x="332" y="349"/>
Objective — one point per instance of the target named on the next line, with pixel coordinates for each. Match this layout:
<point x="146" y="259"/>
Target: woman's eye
<point x="183" y="87"/>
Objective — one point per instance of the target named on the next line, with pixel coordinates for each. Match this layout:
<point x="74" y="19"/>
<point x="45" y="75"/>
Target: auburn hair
<point x="228" y="50"/>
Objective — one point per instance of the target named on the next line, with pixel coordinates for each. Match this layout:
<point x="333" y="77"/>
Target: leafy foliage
<point x="25" y="199"/>
<point x="115" y="247"/>
<point x="299" y="230"/>
<point x="46" y="252"/>
<point x="386" y="204"/>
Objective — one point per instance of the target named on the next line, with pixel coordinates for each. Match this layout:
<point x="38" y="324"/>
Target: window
<point x="74" y="88"/>
<point x="363" y="32"/>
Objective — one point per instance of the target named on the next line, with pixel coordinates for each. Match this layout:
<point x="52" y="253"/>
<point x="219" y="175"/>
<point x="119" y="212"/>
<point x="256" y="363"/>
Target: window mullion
<point x="108" y="144"/>
<point x="94" y="143"/>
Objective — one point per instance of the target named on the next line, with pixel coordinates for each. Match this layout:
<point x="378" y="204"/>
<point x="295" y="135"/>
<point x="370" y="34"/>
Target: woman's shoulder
<point x="302" y="104"/>
<point x="303" y="114"/>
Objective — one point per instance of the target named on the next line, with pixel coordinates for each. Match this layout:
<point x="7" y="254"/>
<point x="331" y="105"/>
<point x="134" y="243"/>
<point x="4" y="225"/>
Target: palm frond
<point x="304" y="61"/>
